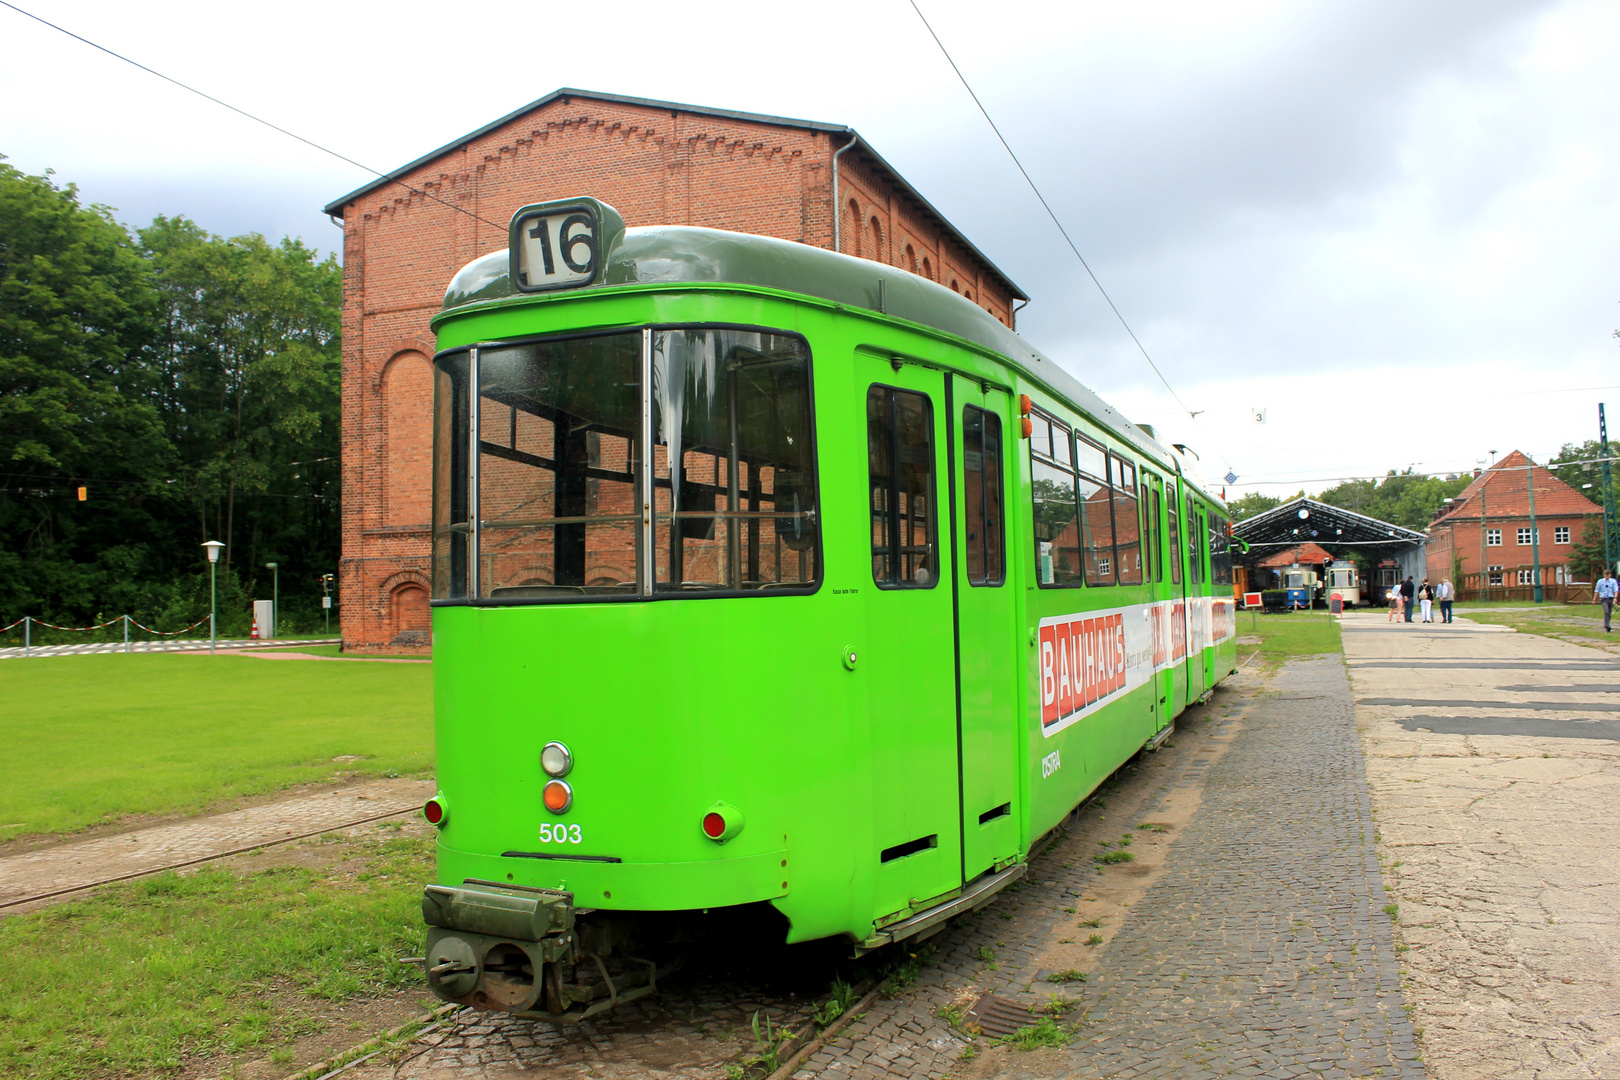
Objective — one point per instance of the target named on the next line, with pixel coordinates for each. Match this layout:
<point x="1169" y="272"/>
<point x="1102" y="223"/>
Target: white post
<point x="28" y="639"/>
<point x="126" y="633"/>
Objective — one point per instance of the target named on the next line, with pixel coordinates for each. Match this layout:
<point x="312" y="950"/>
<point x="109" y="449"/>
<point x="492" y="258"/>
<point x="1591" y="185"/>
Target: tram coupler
<point x="522" y="951"/>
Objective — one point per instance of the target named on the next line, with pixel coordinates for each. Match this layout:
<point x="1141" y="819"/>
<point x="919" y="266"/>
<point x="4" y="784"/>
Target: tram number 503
<point x="557" y="249"/>
<point x="559" y="833"/>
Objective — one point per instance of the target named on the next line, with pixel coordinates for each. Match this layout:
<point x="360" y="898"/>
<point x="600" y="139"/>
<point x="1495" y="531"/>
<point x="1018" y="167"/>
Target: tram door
<point x="907" y="663"/>
<point x="986" y="623"/>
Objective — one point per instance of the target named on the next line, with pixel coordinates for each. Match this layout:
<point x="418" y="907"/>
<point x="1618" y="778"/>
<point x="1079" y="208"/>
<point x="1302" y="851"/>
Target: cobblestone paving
<point x="1257" y="948"/>
<point x="691" y="1030"/>
<point x="64" y="866"/>
<point x="1498" y="824"/>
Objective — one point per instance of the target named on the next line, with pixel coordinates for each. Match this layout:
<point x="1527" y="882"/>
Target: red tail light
<point x="436" y="810"/>
<point x="714" y="826"/>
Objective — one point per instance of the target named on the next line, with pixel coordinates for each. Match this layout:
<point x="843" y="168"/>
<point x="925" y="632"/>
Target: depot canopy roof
<point x="1305" y="521"/>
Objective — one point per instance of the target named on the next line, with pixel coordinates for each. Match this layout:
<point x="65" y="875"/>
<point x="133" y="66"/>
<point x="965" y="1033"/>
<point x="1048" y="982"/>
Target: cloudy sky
<point x="1391" y="226"/>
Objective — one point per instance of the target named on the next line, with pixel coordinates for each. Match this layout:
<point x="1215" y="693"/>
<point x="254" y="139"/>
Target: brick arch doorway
<point x="409" y="615"/>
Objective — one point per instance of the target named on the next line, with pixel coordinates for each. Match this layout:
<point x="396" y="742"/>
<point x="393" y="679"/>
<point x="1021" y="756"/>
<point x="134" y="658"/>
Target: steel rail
<point x="203" y="859"/>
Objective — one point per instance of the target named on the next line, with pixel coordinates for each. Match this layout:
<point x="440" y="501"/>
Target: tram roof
<point x="689" y="255"/>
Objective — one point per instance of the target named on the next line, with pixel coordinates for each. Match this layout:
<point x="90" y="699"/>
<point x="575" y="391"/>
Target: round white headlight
<point x="556" y="759"/>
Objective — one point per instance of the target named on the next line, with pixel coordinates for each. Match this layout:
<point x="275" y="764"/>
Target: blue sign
<point x="1231" y="477"/>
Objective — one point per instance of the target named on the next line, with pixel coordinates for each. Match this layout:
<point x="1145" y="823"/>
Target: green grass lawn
<point x="146" y="977"/>
<point x="1579" y="623"/>
<point x="1297" y="633"/>
<point x="98" y="738"/>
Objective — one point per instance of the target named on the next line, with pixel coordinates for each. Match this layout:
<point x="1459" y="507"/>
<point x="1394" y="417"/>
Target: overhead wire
<point x="1005" y="145"/>
<point x="256" y="119"/>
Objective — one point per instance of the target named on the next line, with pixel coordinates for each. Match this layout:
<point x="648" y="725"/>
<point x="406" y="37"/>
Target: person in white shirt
<point x="1426" y="600"/>
<point x="1447" y="593"/>
<point x="1605" y="592"/>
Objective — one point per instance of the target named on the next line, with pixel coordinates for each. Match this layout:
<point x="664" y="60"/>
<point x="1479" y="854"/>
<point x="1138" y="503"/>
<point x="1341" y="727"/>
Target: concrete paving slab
<point x="1496" y="787"/>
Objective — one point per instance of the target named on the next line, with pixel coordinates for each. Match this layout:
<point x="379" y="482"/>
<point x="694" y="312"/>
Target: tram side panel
<point x="1097" y="632"/>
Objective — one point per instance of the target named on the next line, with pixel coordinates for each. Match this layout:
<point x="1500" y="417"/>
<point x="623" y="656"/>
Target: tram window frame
<point x="1152" y="501"/>
<point x="1051" y="451"/>
<point x="1195" y="545"/>
<point x="1173" y="541"/>
<point x="474" y="592"/>
<point x="888" y="570"/>
<point x="1122" y="474"/>
<point x="984" y="552"/>
<point x="1220" y="550"/>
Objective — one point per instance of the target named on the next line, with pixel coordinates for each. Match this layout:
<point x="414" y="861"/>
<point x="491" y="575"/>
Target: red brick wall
<point x="1463" y="536"/>
<point x="656" y="166"/>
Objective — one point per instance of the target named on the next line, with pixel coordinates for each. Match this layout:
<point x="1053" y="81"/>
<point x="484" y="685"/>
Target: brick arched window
<point x="407" y="444"/>
<point x="878" y="251"/>
<point x="911" y="258"/>
<point x="409" y="615"/>
<point x="852" y="230"/>
<point x="955" y="288"/>
<point x="927" y="269"/>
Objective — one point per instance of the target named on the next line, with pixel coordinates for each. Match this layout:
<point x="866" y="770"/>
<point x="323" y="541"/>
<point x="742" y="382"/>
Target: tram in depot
<point x="771" y="586"/>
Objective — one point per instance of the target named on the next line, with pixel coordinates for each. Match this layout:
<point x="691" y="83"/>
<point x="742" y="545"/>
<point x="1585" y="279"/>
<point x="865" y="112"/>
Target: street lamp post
<point x="1535" y="537"/>
<point x="212" y="547"/>
<point x="275" y="596"/>
<point x="326" y="601"/>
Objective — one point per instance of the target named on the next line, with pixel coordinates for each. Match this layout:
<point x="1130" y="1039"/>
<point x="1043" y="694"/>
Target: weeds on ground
<point x="840" y="996"/>
<point x="768" y="1040"/>
<point x="1044" y="1032"/>
<point x="1115" y="856"/>
<point x="1067" y="975"/>
<point x="1094" y="939"/>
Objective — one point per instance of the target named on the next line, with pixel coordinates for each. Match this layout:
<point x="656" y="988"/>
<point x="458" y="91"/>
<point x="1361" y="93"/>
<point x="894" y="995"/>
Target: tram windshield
<point x="549" y="506"/>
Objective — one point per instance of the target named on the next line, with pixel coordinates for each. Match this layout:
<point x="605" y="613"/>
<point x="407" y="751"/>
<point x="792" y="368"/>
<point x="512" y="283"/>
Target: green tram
<point x="772" y="583"/>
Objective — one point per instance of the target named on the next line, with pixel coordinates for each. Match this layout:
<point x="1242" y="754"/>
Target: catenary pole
<point x="1535" y="535"/>
<point x="1611" y="528"/>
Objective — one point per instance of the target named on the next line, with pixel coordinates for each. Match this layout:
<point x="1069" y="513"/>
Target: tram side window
<point x="1127" y="521"/>
<point x="1096" y="513"/>
<point x="452" y="530"/>
<point x="1195" y="564"/>
<point x="1220" y="551"/>
<point x="1152" y="503"/>
<point x="1057" y="524"/>
<point x="981" y="467"/>
<point x="900" y="464"/>
<point x="1174" y="546"/>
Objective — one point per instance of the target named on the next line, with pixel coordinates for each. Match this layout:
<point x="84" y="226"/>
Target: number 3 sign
<point x="559" y="245"/>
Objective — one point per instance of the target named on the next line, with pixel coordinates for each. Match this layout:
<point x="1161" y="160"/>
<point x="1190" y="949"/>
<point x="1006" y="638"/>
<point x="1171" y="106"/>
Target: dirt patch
<point x="338" y="1028"/>
<point x="135" y="822"/>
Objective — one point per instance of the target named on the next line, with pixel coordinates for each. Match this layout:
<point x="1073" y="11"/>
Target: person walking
<point x="1426" y="601"/>
<point x="1394" y="604"/>
<point x="1408" y="595"/>
<point x="1604" y="593"/>
<point x="1447" y="593"/>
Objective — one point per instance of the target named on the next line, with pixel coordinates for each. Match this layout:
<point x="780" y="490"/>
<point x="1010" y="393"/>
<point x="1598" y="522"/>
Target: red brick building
<point x="1488" y="527"/>
<point x="657" y="163"/>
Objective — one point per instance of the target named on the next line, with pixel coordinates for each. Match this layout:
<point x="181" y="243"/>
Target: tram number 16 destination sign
<point x="557" y="247"/>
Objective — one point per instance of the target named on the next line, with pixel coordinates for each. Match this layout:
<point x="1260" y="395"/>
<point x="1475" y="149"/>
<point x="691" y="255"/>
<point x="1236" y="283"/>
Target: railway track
<point x="211" y="857"/>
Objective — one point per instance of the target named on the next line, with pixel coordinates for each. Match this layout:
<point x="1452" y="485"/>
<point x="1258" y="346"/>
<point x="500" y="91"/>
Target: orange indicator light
<point x="1026" y="427"/>
<point x="1025" y="405"/>
<point x="558" y="796"/>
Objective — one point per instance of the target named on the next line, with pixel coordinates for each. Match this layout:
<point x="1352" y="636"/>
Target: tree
<point x="1408" y="499"/>
<point x="188" y="384"/>
<point x="1251" y="504"/>
<point x="1586" y="558"/>
<point x="75" y="309"/>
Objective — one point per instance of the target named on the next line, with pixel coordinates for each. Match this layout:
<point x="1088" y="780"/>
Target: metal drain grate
<point x="998" y="1016"/>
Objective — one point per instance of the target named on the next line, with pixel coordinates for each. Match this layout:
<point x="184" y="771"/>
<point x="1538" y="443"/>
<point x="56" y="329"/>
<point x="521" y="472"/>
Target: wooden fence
<point x="1475" y="588"/>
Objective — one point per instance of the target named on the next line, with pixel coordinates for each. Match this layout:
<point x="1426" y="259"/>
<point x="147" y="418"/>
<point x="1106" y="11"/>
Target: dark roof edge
<point x="1018" y="294"/>
<point x="1282" y="510"/>
<point x="335" y="207"/>
<point x="571" y="92"/>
